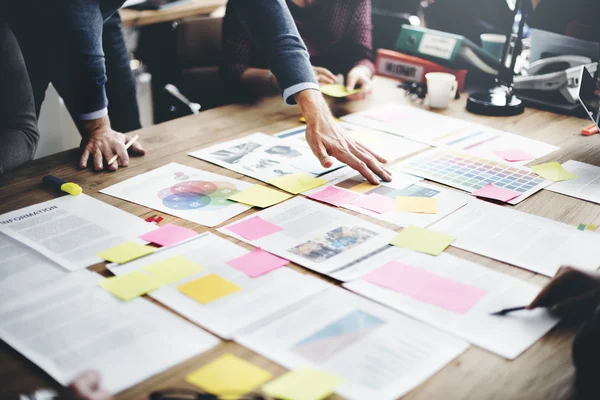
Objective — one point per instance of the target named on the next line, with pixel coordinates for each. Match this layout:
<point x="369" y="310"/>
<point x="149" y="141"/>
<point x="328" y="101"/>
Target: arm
<point x="18" y="125"/>
<point x="360" y="51"/>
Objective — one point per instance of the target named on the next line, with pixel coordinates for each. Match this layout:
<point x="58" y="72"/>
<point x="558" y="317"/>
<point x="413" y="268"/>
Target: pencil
<point x="128" y="145"/>
<point x="508" y="310"/>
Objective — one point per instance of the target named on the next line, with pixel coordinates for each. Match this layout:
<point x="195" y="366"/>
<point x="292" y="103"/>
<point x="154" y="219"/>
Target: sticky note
<point x="260" y="196"/>
<point x="553" y="172"/>
<point x="125" y="252"/>
<point x="581" y="227"/>
<point x="168" y="235"/>
<point x="415" y="204"/>
<point x="423" y="240"/>
<point x="490" y="191"/>
<point x="302" y="119"/>
<point x="303" y="384"/>
<point x="363" y="187"/>
<point x="591" y="227"/>
<point x="297" y="183"/>
<point x="375" y="202"/>
<point x="228" y="375"/>
<point x="209" y="288"/>
<point x="514" y="155"/>
<point x="334" y="196"/>
<point x="427" y="287"/>
<point x="254" y="228"/>
<point x="173" y="269"/>
<point x="129" y="286"/>
<point x="258" y="262"/>
<point x="367" y="138"/>
<point x="337" y="90"/>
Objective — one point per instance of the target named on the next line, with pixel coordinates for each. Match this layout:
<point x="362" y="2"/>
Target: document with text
<point x="586" y="186"/>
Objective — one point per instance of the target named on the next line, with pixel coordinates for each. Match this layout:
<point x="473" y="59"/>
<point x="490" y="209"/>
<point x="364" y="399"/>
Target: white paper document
<point x="443" y="131"/>
<point x="258" y="298"/>
<point x="538" y="244"/>
<point x="586" y="186"/>
<point x="73" y="325"/>
<point x="317" y="236"/>
<point x="458" y="296"/>
<point x="71" y="230"/>
<point x="184" y="192"/>
<point x="264" y="157"/>
<point x="380" y="353"/>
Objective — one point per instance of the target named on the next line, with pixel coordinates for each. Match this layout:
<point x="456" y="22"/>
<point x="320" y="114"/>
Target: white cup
<point x="441" y="88"/>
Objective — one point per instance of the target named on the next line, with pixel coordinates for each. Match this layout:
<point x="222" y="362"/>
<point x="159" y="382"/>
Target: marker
<point x="508" y="311"/>
<point x="128" y="145"/>
<point x="60" y="184"/>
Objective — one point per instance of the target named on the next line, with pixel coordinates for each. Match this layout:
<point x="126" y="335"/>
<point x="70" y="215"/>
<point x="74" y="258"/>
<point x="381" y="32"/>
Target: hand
<point x="86" y="387"/>
<point x="324" y="76"/>
<point x="100" y="141"/>
<point x="571" y="291"/>
<point x="359" y="76"/>
<point x="327" y="139"/>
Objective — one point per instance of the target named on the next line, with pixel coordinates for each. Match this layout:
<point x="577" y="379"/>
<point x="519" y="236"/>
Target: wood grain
<point x="542" y="372"/>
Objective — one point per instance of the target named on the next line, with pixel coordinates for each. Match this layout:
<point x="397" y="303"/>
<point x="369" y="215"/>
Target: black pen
<point x="508" y="310"/>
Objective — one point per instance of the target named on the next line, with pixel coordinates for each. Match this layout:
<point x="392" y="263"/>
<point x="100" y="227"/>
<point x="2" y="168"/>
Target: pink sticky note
<point x="258" y="262"/>
<point x="490" y="191"/>
<point x="427" y="287"/>
<point x="254" y="228"/>
<point x="514" y="155"/>
<point x="376" y="203"/>
<point x="168" y="235"/>
<point x="335" y="196"/>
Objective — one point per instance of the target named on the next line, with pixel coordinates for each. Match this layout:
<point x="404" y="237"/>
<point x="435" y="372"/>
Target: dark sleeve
<point x="237" y="47"/>
<point x="273" y="31"/>
<point x="18" y="124"/>
<point x="361" y="37"/>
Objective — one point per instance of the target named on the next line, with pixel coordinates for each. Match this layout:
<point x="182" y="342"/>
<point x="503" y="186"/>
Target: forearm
<point x="259" y="81"/>
<point x="18" y="146"/>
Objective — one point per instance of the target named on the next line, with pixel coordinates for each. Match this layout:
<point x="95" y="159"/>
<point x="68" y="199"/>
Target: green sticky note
<point x="337" y="90"/>
<point x="304" y="384"/>
<point x="229" y="375"/>
<point x="209" y="288"/>
<point x="581" y="227"/>
<point x="129" y="286"/>
<point x="260" y="196"/>
<point x="423" y="240"/>
<point x="297" y="183"/>
<point x="173" y="269"/>
<point x="126" y="252"/>
<point x="553" y="172"/>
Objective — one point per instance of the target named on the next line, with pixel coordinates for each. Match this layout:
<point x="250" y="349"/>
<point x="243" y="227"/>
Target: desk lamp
<point x="501" y="100"/>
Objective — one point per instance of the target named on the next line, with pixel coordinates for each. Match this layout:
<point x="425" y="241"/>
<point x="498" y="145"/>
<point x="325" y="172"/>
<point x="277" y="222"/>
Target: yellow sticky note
<point x="297" y="183"/>
<point x="423" y="240"/>
<point x="366" y="138"/>
<point x="337" y="90"/>
<point x="424" y="205"/>
<point x="303" y="120"/>
<point x="229" y="375"/>
<point x="260" y="196"/>
<point x="126" y="252"/>
<point x="304" y="384"/>
<point x="208" y="288"/>
<point x="129" y="286"/>
<point x="363" y="188"/>
<point x="553" y="172"/>
<point x="592" y="227"/>
<point x="173" y="269"/>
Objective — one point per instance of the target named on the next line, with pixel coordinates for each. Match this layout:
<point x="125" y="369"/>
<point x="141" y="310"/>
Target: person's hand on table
<point x="329" y="140"/>
<point x="100" y="143"/>
<point x="572" y="291"/>
<point x="359" y="77"/>
<point x="86" y="386"/>
<point x="324" y="76"/>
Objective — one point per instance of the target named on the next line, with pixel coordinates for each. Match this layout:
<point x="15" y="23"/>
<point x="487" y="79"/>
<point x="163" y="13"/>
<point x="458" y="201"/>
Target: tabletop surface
<point x="544" y="371"/>
<point x="190" y="8"/>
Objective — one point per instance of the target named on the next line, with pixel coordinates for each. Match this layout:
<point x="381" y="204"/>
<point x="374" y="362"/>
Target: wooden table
<point x="132" y="18"/>
<point x="542" y="372"/>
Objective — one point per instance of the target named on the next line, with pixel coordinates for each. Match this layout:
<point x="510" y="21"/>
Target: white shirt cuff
<point x="288" y="94"/>
<point x="92" y="115"/>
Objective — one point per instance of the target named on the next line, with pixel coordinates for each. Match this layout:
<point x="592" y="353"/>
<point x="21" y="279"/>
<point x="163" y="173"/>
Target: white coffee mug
<point x="441" y="88"/>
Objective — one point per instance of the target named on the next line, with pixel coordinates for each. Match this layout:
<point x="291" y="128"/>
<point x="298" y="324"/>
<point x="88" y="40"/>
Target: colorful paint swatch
<point x="297" y="183"/>
<point x="427" y="287"/>
<point x="514" y="155"/>
<point x="423" y="240"/>
<point x="130" y="286"/>
<point x="260" y="196"/>
<point x="334" y="196"/>
<point x="228" y="375"/>
<point x="168" y="235"/>
<point x="553" y="172"/>
<point x="258" y="262"/>
<point x="304" y="384"/>
<point x="415" y="204"/>
<point x="173" y="269"/>
<point x="126" y="252"/>
<point x="209" y="288"/>
<point x="496" y="193"/>
<point x="376" y="203"/>
<point x="254" y="228"/>
<point x="337" y="90"/>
